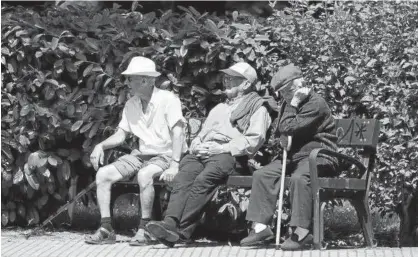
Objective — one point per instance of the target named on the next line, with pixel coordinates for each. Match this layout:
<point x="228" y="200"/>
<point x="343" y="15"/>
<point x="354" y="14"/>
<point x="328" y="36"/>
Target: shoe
<point x="102" y="236"/>
<point x="164" y="233"/>
<point x="184" y="240"/>
<point x="294" y="244"/>
<point x="259" y="238"/>
<point x="142" y="237"/>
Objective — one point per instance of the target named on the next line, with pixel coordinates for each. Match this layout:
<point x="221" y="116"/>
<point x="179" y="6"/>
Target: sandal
<point x="102" y="236"/>
<point x="141" y="238"/>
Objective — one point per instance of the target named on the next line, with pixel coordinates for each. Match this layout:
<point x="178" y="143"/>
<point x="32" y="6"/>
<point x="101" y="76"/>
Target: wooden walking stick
<point x="279" y="211"/>
<point x="38" y="230"/>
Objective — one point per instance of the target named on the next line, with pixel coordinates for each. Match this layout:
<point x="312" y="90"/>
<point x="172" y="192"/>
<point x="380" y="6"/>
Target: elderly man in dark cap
<point x="306" y="116"/>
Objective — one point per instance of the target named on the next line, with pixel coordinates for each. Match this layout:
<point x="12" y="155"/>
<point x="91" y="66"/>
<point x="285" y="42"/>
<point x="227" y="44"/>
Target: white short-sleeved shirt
<point x="153" y="128"/>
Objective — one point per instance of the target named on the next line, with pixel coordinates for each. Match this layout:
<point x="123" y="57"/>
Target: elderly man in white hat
<point x="233" y="131"/>
<point x="155" y="117"/>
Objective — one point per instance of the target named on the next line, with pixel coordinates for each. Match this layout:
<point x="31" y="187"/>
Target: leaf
<point x="217" y="92"/>
<point x="212" y="26"/>
<point x="367" y="98"/>
<point x="107" y="82"/>
<point x="371" y="63"/>
<point x="244" y="27"/>
<point x="235" y="196"/>
<point x="46" y="173"/>
<point x="18" y="176"/>
<point x="91" y="42"/>
<point x="385" y="121"/>
<point x="183" y="51"/>
<point x="49" y="93"/>
<point x="53" y="161"/>
<point x="135" y="5"/>
<point x="94" y="129"/>
<point x="194" y="11"/>
<point x="86" y="127"/>
<point x="5" y="50"/>
<point x="70" y="110"/>
<point x="69" y="65"/>
<point x="243" y="205"/>
<point x="349" y="79"/>
<point x="23" y="140"/>
<point x="189" y="41"/>
<point x="54" y="43"/>
<point x="25" y="110"/>
<point x="234" y="15"/>
<point x="76" y="125"/>
<point x="88" y="70"/>
<point x="66" y="170"/>
<point x="53" y="82"/>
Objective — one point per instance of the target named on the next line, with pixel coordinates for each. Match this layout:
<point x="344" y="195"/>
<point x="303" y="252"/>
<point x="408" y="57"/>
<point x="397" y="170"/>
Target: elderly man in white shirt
<point x="232" y="130"/>
<point x="155" y="117"/>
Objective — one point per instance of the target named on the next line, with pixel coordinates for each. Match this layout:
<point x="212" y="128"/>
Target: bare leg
<point x="105" y="177"/>
<point x="146" y="189"/>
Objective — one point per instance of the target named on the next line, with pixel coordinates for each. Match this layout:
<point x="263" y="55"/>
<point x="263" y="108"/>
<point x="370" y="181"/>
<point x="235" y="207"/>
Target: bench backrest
<point x="360" y="133"/>
<point x="353" y="133"/>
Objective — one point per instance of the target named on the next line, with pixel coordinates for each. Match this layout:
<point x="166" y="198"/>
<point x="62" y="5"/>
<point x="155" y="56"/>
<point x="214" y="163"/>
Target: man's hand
<point x="195" y="143"/>
<point x="97" y="156"/>
<point x="300" y="95"/>
<point x="169" y="174"/>
<point x="208" y="149"/>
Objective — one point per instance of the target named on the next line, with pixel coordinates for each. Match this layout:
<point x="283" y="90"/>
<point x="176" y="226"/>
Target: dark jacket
<point x="311" y="125"/>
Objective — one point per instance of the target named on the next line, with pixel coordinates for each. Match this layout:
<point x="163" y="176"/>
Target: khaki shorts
<point x="129" y="165"/>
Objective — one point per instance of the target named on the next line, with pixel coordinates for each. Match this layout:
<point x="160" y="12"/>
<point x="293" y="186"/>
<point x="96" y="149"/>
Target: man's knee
<point x="202" y="183"/>
<point x="146" y="175"/>
<point x="299" y="179"/>
<point x="106" y="175"/>
<point x="258" y="175"/>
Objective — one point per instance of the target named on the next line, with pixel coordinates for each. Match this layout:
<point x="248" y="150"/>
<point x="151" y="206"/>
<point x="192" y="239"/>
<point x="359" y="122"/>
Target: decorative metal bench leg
<point x="322" y="226"/>
<point x="113" y="199"/>
<point x="363" y="213"/>
<point x="316" y="220"/>
<point x="72" y="192"/>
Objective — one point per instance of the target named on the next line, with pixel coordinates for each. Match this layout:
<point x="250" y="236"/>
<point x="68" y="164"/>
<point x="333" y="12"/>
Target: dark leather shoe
<point x="259" y="238"/>
<point x="164" y="233"/>
<point x="293" y="244"/>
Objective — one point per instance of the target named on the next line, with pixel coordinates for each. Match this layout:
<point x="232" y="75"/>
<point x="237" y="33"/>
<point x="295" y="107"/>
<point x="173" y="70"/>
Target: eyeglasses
<point x="139" y="79"/>
<point x="229" y="79"/>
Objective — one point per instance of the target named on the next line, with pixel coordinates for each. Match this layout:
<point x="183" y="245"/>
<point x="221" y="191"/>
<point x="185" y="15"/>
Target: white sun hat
<point x="141" y="66"/>
<point x="242" y="69"/>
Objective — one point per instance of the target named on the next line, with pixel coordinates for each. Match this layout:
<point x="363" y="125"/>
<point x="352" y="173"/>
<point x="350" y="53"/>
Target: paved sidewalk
<point x="66" y="244"/>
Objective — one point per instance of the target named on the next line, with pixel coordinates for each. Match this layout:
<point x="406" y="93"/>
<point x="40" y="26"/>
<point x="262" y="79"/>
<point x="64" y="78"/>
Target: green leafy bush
<point x="62" y="92"/>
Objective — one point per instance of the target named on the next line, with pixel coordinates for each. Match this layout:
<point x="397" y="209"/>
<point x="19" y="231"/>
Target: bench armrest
<point x="313" y="164"/>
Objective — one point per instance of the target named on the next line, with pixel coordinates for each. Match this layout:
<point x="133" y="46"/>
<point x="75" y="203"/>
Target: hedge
<point x="62" y="92"/>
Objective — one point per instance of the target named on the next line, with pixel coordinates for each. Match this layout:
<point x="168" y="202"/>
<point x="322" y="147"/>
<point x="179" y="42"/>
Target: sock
<point x="301" y="233"/>
<point x="107" y="223"/>
<point x="144" y="222"/>
<point x="258" y="227"/>
<point x="170" y="221"/>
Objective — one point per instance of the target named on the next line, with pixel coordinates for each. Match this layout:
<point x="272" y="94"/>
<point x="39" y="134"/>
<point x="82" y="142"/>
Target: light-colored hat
<point x="141" y="66"/>
<point x="242" y="69"/>
<point x="284" y="76"/>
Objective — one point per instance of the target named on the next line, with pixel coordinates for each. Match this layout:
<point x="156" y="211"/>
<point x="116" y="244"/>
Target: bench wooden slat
<point x="342" y="183"/>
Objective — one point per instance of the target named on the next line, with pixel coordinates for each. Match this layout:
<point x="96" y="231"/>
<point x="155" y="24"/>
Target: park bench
<point x="357" y="134"/>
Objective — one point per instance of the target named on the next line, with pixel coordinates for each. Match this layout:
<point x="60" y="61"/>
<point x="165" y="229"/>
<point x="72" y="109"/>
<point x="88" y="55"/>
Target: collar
<point x="154" y="97"/>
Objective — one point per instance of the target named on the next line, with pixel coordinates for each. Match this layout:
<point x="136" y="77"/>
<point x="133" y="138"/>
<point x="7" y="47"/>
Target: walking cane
<point x="279" y="211"/>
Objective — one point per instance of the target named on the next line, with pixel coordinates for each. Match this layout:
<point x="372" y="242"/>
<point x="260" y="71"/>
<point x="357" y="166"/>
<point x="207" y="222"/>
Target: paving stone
<point x="72" y="244"/>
